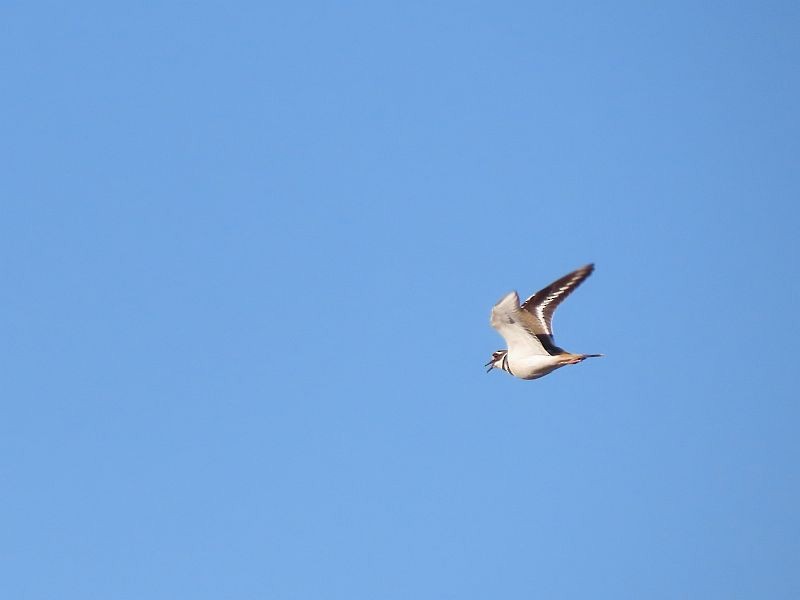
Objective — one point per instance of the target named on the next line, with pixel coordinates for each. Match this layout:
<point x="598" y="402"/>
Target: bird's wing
<point x="543" y="303"/>
<point x="516" y="326"/>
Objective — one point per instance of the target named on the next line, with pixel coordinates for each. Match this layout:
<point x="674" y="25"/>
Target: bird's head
<point x="497" y="358"/>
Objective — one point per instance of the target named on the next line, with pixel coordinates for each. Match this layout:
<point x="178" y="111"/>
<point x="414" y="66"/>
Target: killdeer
<point x="527" y="330"/>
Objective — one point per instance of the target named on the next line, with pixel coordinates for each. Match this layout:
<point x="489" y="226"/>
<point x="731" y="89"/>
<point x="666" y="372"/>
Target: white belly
<point x="533" y="366"/>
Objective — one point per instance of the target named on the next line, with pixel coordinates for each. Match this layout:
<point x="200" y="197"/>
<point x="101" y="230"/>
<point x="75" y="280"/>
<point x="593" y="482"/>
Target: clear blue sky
<point x="250" y="251"/>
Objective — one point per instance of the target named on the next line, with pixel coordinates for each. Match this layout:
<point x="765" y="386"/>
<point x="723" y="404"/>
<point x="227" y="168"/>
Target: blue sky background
<point x="250" y="251"/>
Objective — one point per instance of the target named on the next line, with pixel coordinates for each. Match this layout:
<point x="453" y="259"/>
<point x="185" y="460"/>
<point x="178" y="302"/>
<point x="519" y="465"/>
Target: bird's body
<point x="527" y="329"/>
<point x="532" y="366"/>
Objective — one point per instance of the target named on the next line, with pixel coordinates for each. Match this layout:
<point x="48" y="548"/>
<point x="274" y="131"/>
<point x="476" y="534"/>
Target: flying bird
<point x="528" y="332"/>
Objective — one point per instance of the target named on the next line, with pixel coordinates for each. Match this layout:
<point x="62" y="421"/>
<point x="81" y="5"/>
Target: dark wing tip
<point x="580" y="274"/>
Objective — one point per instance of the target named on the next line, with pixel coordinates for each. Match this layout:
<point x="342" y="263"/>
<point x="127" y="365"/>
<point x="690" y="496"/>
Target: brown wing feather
<point x="543" y="303"/>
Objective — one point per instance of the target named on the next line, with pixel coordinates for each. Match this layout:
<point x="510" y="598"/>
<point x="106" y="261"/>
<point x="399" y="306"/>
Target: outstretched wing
<point x="516" y="326"/>
<point x="543" y="303"/>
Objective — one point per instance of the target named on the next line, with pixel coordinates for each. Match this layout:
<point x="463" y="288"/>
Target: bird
<point x="528" y="332"/>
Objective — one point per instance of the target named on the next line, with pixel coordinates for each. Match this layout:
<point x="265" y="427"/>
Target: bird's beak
<point x="490" y="364"/>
